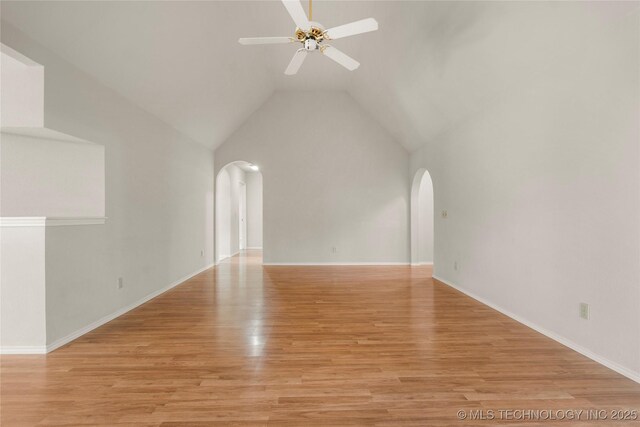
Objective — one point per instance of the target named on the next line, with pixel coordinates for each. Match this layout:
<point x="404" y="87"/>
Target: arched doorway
<point x="422" y="217"/>
<point x="238" y="210"/>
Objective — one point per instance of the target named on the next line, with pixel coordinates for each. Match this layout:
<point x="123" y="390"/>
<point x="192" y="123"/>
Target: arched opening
<point x="422" y="216"/>
<point x="238" y="211"/>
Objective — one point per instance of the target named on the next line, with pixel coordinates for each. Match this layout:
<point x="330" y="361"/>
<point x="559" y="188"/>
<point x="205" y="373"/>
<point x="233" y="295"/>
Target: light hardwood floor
<point x="244" y="344"/>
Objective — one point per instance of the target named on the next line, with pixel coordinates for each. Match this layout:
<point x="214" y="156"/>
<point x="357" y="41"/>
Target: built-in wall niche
<point x="43" y="172"/>
<point x="47" y="179"/>
<point x="43" y="177"/>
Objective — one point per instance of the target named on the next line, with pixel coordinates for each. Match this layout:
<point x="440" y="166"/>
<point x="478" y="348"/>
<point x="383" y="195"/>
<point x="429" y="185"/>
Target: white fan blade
<point x="357" y="27"/>
<point x="294" y="7"/>
<point x="296" y="62"/>
<point x="265" y="40"/>
<point x="341" y="58"/>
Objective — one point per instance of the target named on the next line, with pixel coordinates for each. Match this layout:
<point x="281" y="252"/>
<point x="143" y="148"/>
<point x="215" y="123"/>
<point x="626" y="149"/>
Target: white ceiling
<point x="429" y="67"/>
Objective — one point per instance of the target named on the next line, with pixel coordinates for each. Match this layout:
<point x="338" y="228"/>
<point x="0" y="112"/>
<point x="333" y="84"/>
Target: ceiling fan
<point x="313" y="36"/>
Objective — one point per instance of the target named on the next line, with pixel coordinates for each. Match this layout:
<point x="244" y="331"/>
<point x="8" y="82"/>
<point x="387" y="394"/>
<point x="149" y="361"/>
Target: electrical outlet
<point x="455" y="265"/>
<point x="334" y="249"/>
<point x="120" y="283"/>
<point x="202" y="252"/>
<point x="584" y="310"/>
<point x="445" y="214"/>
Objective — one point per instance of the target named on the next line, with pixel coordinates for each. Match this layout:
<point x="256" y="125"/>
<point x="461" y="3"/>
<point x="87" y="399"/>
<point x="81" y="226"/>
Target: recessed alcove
<point x="47" y="178"/>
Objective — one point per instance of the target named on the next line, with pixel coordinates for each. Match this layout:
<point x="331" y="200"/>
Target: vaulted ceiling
<point x="429" y="67"/>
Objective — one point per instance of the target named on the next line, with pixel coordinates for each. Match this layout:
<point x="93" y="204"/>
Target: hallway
<point x="258" y="345"/>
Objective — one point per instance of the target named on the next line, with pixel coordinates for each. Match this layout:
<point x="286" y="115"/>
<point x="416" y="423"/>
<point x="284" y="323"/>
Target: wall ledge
<point x="43" y="133"/>
<point x="42" y="221"/>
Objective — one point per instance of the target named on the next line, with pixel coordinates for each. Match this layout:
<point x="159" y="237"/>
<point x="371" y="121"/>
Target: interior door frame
<point x="242" y="216"/>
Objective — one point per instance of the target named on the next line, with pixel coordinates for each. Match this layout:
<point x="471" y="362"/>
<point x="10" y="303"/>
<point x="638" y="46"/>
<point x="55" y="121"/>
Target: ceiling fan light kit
<point x="312" y="36"/>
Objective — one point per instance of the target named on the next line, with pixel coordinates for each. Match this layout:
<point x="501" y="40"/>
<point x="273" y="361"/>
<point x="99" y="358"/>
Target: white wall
<point x="254" y="209"/>
<point x="21" y="90"/>
<point x="236" y="176"/>
<point x="228" y="186"/>
<point x="22" y="289"/>
<point x="223" y="215"/>
<point x="159" y="187"/>
<point x="422" y="215"/>
<point x="336" y="180"/>
<point x="543" y="189"/>
<point x="43" y="177"/>
<point x="425" y="250"/>
<point x="228" y="183"/>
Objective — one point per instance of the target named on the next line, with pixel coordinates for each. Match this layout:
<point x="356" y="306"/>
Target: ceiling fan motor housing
<point x="312" y="37"/>
<point x="310" y="44"/>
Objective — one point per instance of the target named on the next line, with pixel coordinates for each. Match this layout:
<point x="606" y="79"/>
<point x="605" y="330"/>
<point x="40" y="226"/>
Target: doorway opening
<point x="422" y="216"/>
<point x="238" y="211"/>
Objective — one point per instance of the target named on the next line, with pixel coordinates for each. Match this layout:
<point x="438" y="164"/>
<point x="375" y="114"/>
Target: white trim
<point x="59" y="221"/>
<point x="254" y="247"/>
<point x="227" y="257"/>
<point x="24" y="349"/>
<point x="632" y="375"/>
<point x="43" y="133"/>
<point x="418" y="264"/>
<point x="74" y="335"/>
<point x="23" y="221"/>
<point x="334" y="263"/>
<point x="41" y="221"/>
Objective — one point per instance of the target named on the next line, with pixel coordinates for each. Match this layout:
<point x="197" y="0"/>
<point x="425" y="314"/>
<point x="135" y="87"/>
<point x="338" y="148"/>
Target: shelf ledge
<point x="42" y="221"/>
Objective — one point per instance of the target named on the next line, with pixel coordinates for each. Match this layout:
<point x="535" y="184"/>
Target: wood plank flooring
<point x="244" y="344"/>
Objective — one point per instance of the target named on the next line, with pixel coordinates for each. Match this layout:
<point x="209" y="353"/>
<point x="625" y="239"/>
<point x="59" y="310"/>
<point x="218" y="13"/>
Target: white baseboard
<point x="418" y="264"/>
<point x="333" y="263"/>
<point x="24" y="349"/>
<point x="74" y="335"/>
<point x="227" y="257"/>
<point x="255" y="247"/>
<point x="632" y="375"/>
